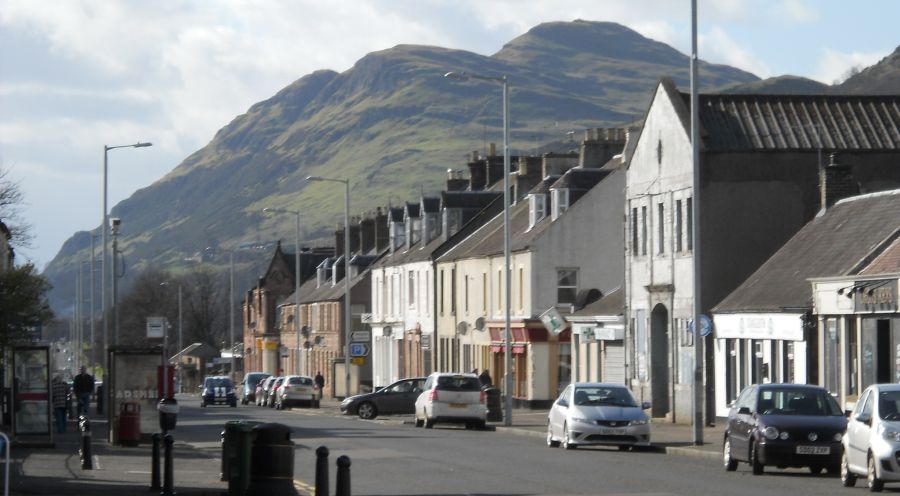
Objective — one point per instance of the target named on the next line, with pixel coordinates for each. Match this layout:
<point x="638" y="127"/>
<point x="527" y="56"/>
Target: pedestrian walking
<point x="485" y="379"/>
<point x="320" y="383"/>
<point x="84" y="388"/>
<point x="59" y="396"/>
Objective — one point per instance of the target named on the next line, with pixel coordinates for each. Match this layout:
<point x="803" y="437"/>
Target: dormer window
<point x="559" y="202"/>
<point x="537" y="209"/>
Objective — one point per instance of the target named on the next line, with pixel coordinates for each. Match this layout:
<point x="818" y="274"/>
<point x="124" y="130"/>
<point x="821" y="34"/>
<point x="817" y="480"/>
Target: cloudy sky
<point x="76" y="75"/>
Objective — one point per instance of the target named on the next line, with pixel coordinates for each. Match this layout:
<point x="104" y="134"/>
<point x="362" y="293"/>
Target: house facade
<point x="759" y="163"/>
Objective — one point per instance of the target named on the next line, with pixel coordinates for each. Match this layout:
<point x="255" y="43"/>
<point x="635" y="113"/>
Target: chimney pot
<point x="493" y="152"/>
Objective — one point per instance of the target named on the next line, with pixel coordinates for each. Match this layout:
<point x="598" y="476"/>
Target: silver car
<point x="598" y="414"/>
<point x="873" y="438"/>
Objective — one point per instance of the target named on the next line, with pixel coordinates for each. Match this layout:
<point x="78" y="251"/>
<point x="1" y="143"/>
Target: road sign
<point x="705" y="325"/>
<point x="155" y="327"/>
<point x="357" y="360"/>
<point x="360" y="336"/>
<point x="359" y="349"/>
<point x="365" y="318"/>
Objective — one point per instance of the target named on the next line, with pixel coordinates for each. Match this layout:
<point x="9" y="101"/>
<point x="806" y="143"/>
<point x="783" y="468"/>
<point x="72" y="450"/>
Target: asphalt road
<point x="390" y="458"/>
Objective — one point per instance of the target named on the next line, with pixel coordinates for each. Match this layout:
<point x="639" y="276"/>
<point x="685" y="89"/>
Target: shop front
<point x="541" y="361"/>
<point x="758" y="348"/>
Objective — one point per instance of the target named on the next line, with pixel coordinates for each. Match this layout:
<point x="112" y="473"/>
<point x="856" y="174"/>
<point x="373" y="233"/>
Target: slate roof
<point x="888" y="262"/>
<point x="580" y="179"/>
<point x="413" y="209"/>
<point x="612" y="303"/>
<point x="395" y="214"/>
<point x="431" y="204"/>
<point x="841" y="242"/>
<point x="468" y="199"/>
<point x="746" y="122"/>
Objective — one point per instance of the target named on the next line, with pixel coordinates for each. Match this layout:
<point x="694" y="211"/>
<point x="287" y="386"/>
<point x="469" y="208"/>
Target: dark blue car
<point x="218" y="390"/>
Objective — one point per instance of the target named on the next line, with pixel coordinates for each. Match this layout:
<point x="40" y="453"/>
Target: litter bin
<point x="272" y="465"/>
<point x="129" y="423"/>
<point x="494" y="411"/>
<point x="237" y="439"/>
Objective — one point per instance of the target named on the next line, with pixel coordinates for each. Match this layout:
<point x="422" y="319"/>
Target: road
<point x="391" y="458"/>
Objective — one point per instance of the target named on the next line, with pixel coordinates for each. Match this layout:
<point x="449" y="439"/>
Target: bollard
<point x="342" y="485"/>
<point x="167" y="489"/>
<point x="321" y="471"/>
<point x="87" y="462"/>
<point x="154" y="463"/>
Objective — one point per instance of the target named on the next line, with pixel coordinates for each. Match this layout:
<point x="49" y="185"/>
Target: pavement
<point x="125" y="471"/>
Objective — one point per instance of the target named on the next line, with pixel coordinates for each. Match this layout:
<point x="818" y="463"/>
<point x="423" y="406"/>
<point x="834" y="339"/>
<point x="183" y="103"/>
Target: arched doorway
<point x="659" y="360"/>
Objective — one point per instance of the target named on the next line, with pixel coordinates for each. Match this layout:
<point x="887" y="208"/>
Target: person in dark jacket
<point x="84" y="388"/>
<point x="485" y="379"/>
<point x="59" y="396"/>
<point x="320" y="383"/>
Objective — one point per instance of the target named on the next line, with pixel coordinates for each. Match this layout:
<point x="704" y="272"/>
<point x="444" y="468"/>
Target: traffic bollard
<point x="342" y="485"/>
<point x="321" y="471"/>
<point x="167" y="489"/>
<point x="87" y="462"/>
<point x="154" y="463"/>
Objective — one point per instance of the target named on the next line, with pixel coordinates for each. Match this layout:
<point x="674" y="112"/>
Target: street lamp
<point x="104" y="225"/>
<point x="296" y="214"/>
<point x="346" y="183"/>
<point x="507" y="336"/>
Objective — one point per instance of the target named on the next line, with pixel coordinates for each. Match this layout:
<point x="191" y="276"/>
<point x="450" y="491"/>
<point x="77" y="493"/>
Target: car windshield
<point x="888" y="403"/>
<point x="604" y="396"/>
<point x="253" y="379"/>
<point x="458" y="383"/>
<point x="301" y="381"/>
<point x="218" y="382"/>
<point x="789" y="401"/>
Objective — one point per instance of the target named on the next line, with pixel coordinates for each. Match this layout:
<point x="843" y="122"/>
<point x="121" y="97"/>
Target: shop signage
<point x="875" y="296"/>
<point x="553" y="321"/>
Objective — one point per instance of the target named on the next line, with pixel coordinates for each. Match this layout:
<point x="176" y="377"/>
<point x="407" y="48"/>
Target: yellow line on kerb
<point x="304" y="487"/>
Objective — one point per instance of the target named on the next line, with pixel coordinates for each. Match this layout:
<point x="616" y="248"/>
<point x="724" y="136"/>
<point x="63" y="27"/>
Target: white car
<point x="873" y="438"/>
<point x="294" y="390"/>
<point x="451" y="398"/>
<point x="598" y="414"/>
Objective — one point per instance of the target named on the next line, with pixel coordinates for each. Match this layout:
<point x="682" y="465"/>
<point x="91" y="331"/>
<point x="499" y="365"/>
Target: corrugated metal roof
<point x="799" y="122"/>
<point x="841" y="242"/>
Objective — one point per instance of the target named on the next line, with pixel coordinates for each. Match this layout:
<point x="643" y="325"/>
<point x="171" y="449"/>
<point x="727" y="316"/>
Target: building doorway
<point x="659" y="360"/>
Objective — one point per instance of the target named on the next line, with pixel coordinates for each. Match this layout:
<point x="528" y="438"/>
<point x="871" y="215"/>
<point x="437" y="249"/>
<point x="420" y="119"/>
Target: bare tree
<point x="204" y="313"/>
<point x="11" y="201"/>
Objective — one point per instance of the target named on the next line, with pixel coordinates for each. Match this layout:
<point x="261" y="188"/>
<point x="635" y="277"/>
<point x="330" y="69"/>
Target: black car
<point x="218" y="390"/>
<point x="784" y="425"/>
<point x="399" y="397"/>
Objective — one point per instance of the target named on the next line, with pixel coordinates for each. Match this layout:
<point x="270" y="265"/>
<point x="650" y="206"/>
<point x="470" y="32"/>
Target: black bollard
<point x="87" y="462"/>
<point x="154" y="463"/>
<point x="321" y="471"/>
<point x="168" y="477"/>
<point x="342" y="486"/>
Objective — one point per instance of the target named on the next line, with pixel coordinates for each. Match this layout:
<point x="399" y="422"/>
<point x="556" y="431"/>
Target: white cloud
<point x="799" y="11"/>
<point x="719" y="47"/>
<point x="833" y="65"/>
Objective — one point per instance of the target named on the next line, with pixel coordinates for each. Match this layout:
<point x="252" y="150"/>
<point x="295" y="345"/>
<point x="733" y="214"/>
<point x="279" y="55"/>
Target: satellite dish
<point x="462" y="328"/>
<point x="479" y="323"/>
<point x="318" y="340"/>
<point x="387" y="331"/>
<point x="304" y="331"/>
<point x="307" y="345"/>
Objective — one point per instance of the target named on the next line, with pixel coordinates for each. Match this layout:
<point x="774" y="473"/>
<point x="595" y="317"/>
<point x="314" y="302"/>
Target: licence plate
<point x="301" y="390"/>
<point x="813" y="450"/>
<point x="611" y="431"/>
<point x="457" y="405"/>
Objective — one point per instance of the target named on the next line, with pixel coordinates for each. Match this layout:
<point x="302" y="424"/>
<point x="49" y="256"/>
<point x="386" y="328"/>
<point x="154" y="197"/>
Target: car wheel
<point x="848" y="478"/>
<point x="419" y="422"/>
<point x="875" y="484"/>
<point x="624" y="447"/>
<point x="566" y="442"/>
<point x="233" y="405"/>
<point x="366" y="411"/>
<point x="481" y="425"/>
<point x="553" y="443"/>
<point x="815" y="469"/>
<point x="429" y="423"/>
<point x="202" y="404"/>
<point x="755" y="464"/>
<point x="727" y="460"/>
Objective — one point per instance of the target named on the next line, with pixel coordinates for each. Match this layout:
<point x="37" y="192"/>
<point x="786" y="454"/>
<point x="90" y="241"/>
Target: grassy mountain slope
<point x="393" y="125"/>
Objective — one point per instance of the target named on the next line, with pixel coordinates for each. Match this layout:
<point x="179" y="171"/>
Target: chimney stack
<point x="493" y="150"/>
<point x="366" y="234"/>
<point x="835" y="183"/>
<point x="339" y="240"/>
<point x="382" y="234"/>
<point x="456" y="181"/>
<point x="354" y="235"/>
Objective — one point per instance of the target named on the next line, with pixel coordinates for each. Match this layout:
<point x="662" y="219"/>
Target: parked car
<point x="218" y="390"/>
<point x="784" y="425"/>
<point x="873" y="438"/>
<point x="273" y="392"/>
<point x="397" y="398"/>
<point x="451" y="398"/>
<point x="295" y="390"/>
<point x="262" y="390"/>
<point x="597" y="414"/>
<point x="248" y="386"/>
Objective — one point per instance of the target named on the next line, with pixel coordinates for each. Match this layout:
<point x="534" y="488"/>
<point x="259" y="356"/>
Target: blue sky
<point x="76" y="75"/>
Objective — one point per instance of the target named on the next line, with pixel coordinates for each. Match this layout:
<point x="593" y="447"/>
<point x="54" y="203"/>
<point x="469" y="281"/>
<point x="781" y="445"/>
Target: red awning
<point x="496" y="349"/>
<point x="518" y="349"/>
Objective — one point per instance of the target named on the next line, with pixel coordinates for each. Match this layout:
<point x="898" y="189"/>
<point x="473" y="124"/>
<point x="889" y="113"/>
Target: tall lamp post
<point x="507" y="334"/>
<point x="296" y="214"/>
<point x="104" y="225"/>
<point x="346" y="183"/>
